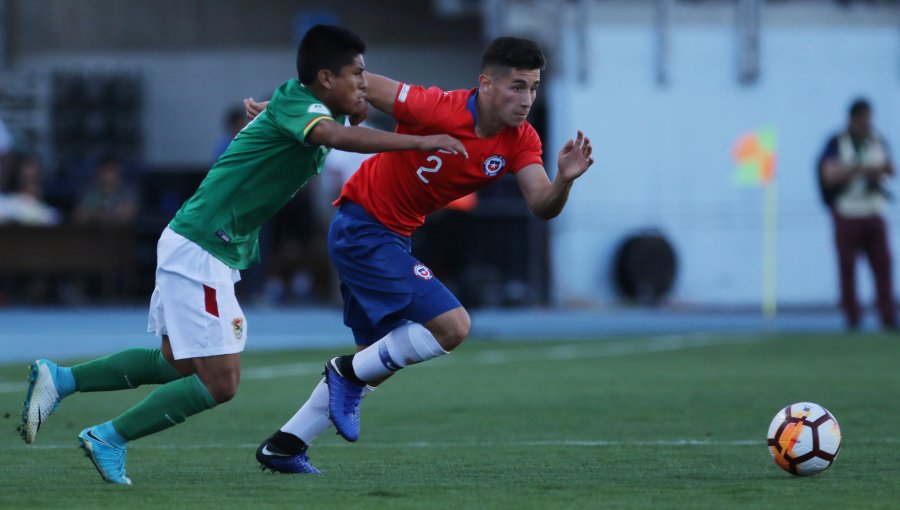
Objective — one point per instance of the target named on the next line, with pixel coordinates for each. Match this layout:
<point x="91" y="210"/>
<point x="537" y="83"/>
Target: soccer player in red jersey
<point x="398" y="310"/>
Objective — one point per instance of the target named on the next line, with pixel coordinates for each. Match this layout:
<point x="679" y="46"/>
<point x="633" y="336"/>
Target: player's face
<point x="349" y="87"/>
<point x="512" y="94"/>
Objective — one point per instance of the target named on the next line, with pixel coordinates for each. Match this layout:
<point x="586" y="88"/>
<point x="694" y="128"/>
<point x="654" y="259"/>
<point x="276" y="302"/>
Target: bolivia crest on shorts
<point x="237" y="325"/>
<point x="423" y="272"/>
<point x="493" y="165"/>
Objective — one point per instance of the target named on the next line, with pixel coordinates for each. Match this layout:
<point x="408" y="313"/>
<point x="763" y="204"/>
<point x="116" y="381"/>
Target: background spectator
<point x="109" y="200"/>
<point x="853" y="167"/>
<point x="234" y="121"/>
<point x="24" y="204"/>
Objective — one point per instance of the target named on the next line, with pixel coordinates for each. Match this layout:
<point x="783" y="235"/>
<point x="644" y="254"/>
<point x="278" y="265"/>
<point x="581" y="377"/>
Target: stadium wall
<point x="664" y="154"/>
<point x="187" y="93"/>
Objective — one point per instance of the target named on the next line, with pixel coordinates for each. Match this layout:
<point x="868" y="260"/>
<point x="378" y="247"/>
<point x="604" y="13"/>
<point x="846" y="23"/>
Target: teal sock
<point x="65" y="382"/>
<point x="108" y="433"/>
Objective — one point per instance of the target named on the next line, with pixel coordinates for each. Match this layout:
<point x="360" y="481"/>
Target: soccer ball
<point x="804" y="439"/>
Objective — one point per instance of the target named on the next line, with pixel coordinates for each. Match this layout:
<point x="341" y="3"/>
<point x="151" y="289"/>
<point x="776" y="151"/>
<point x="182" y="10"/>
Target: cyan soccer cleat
<point x="344" y="396"/>
<point x="42" y="398"/>
<point x="273" y="459"/>
<point x="106" y="454"/>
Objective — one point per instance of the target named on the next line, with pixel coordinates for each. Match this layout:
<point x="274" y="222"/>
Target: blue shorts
<point x="383" y="285"/>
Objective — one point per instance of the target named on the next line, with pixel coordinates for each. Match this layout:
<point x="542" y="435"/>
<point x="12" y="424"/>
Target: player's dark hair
<point x="326" y="47"/>
<point x="860" y="106"/>
<point x="514" y="53"/>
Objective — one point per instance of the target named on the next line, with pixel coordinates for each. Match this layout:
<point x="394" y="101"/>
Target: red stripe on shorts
<point x="209" y="294"/>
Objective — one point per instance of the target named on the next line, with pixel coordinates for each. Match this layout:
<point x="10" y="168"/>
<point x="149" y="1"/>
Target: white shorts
<point x="194" y="302"/>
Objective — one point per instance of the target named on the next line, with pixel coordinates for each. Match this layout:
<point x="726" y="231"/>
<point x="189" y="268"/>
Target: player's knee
<point x="456" y="331"/>
<point x="222" y="391"/>
<point x="220" y="375"/>
<point x="452" y="341"/>
<point x="222" y="383"/>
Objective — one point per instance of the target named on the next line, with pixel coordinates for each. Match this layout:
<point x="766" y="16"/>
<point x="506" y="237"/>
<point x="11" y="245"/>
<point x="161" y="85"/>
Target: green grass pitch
<point x="662" y="422"/>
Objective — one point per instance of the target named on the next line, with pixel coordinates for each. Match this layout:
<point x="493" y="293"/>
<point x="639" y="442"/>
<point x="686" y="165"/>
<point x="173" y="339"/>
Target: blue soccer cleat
<point x="42" y="398"/>
<point x="273" y="459"/>
<point x="107" y="453"/>
<point x="344" y="396"/>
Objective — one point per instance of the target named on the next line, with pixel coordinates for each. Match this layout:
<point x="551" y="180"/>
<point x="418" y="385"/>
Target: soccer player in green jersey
<point x="212" y="237"/>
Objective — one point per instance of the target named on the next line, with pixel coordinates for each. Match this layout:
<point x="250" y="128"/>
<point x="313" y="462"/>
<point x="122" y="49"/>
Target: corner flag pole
<point x="770" y="253"/>
<point x="755" y="156"/>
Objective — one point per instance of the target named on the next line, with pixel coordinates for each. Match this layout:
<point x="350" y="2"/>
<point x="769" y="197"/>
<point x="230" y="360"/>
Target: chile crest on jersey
<point x="493" y="165"/>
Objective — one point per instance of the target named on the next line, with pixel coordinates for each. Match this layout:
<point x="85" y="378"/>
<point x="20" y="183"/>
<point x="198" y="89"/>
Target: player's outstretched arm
<point x="252" y="109"/>
<point x="381" y="91"/>
<point x="546" y="199"/>
<point x="365" y="140"/>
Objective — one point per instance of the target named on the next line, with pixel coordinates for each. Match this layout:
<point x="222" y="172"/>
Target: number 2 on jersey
<point x="423" y="169"/>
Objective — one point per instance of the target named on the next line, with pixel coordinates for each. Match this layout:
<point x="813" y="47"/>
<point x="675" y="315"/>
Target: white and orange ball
<point x="804" y="439"/>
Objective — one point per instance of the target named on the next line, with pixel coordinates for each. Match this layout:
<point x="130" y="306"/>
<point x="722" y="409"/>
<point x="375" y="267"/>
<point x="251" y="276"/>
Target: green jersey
<point x="265" y="165"/>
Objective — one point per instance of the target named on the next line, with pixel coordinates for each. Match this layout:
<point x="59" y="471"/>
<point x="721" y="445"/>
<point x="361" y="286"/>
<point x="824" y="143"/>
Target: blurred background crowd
<point x="111" y="112"/>
<point x="111" y="116"/>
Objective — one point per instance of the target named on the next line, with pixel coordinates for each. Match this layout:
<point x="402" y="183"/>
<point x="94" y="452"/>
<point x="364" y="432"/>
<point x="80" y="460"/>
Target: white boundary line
<point x="553" y="352"/>
<point x="430" y="444"/>
<point x="582" y="350"/>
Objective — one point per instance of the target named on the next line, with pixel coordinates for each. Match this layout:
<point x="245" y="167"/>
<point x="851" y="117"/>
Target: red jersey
<point x="400" y="188"/>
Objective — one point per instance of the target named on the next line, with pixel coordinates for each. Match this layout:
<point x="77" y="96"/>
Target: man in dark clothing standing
<point x="852" y="170"/>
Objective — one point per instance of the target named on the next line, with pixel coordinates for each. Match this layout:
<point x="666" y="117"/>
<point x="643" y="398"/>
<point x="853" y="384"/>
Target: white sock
<point x="404" y="346"/>
<point x="312" y="418"/>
